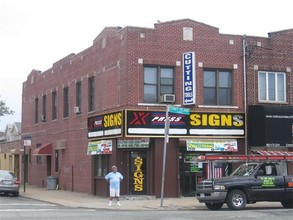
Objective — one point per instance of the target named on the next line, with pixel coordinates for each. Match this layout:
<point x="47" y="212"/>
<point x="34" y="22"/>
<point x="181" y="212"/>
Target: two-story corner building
<point x="108" y="105"/>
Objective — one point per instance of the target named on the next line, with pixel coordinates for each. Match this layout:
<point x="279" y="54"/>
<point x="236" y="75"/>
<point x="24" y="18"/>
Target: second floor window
<point x="217" y="87"/>
<point x="91" y="96"/>
<point x="36" y="110"/>
<point x="272" y="86"/>
<point x="44" y="110"/>
<point x="157" y="81"/>
<point x="65" y="102"/>
<point x="78" y="94"/>
<point x="54" y="105"/>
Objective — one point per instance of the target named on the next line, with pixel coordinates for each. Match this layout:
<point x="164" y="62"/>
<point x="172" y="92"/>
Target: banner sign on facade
<point x="212" y="145"/>
<point x="140" y="143"/>
<point x="188" y="78"/>
<point x="99" y="147"/>
<point x="106" y="125"/>
<point x="199" y="124"/>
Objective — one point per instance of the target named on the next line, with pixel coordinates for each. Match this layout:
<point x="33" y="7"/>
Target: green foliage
<point x="4" y="110"/>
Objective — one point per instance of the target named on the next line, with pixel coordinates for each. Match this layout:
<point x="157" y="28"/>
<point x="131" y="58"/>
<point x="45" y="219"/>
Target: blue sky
<point x="36" y="33"/>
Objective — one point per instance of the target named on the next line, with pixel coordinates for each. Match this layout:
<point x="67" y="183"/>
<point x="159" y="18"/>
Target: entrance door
<point x="190" y="173"/>
<point x="138" y="173"/>
<point x="48" y="165"/>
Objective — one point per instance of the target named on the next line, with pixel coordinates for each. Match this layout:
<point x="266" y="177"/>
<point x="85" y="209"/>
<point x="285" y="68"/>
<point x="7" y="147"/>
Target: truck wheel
<point x="287" y="204"/>
<point x="236" y="200"/>
<point x="214" y="206"/>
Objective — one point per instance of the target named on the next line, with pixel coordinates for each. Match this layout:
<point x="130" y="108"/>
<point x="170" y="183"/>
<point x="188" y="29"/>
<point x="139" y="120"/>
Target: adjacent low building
<point x="11" y="150"/>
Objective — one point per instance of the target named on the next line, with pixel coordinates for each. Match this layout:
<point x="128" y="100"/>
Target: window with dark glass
<point x="217" y="87"/>
<point x="91" y="92"/>
<point x="56" y="160"/>
<point x="101" y="164"/>
<point x="65" y="102"/>
<point x="36" y="110"/>
<point x="78" y="95"/>
<point x="44" y="109"/>
<point x="54" y="105"/>
<point x="157" y="81"/>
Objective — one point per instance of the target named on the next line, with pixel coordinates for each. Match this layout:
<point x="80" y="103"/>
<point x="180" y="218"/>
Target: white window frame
<point x="276" y="86"/>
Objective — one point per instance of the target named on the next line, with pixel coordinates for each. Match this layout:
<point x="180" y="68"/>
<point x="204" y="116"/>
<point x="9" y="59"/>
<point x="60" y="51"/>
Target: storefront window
<point x="101" y="164"/>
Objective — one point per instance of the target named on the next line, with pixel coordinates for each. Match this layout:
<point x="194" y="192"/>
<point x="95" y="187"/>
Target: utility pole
<point x="166" y="141"/>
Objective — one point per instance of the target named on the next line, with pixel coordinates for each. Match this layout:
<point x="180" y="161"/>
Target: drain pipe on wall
<point x="244" y="87"/>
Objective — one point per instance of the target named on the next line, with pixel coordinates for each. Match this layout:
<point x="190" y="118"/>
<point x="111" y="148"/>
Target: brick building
<point x="269" y="91"/>
<point x="107" y="105"/>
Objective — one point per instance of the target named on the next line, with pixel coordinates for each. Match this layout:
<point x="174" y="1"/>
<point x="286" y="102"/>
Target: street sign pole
<point x="166" y="140"/>
<point x="27" y="142"/>
<point x="176" y="110"/>
<point x="24" y="168"/>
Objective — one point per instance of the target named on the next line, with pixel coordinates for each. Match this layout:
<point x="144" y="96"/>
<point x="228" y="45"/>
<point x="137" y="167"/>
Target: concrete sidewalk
<point x="83" y="200"/>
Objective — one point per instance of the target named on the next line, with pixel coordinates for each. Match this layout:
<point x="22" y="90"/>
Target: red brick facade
<point x="116" y="60"/>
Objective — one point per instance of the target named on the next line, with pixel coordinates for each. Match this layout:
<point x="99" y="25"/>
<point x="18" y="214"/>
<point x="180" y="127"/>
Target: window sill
<point x="218" y="106"/>
<point x="273" y="102"/>
<point x="156" y="104"/>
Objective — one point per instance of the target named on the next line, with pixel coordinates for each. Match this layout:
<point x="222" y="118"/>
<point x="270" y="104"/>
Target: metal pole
<point x="244" y="45"/>
<point x="166" y="140"/>
<point x="24" y="168"/>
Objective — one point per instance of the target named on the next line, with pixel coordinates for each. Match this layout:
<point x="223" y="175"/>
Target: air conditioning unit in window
<point x="43" y="118"/>
<point x="168" y="98"/>
<point x="76" y="109"/>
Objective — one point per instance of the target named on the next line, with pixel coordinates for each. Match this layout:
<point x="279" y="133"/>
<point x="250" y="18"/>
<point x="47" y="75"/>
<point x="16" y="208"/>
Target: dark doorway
<point x="190" y="173"/>
<point x="49" y="172"/>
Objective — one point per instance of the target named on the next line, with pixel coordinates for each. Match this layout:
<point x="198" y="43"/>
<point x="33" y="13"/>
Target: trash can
<point x="51" y="182"/>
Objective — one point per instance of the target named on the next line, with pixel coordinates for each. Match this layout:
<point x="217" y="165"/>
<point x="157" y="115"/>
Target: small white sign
<point x="27" y="142"/>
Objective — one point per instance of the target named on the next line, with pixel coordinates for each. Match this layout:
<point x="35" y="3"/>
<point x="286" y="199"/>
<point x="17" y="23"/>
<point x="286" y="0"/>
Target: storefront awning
<point x="44" y="150"/>
<point x="273" y="153"/>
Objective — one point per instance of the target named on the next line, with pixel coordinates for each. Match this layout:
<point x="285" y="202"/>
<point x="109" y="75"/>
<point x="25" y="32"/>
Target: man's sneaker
<point x="118" y="203"/>
<point x="110" y="203"/>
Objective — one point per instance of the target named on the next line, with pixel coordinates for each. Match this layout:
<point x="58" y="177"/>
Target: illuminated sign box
<point x="106" y="125"/>
<point x="199" y="124"/>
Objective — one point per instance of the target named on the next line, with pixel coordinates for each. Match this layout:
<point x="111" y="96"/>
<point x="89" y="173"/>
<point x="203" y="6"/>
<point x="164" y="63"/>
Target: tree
<point x="4" y="110"/>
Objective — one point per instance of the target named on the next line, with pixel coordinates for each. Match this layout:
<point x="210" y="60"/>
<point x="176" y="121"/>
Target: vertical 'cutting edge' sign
<point x="188" y="78"/>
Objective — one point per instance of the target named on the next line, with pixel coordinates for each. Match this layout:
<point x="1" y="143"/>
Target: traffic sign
<point x="177" y="110"/>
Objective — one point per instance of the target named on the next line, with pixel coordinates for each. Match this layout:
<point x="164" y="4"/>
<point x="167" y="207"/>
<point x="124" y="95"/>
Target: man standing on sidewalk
<point x="114" y="179"/>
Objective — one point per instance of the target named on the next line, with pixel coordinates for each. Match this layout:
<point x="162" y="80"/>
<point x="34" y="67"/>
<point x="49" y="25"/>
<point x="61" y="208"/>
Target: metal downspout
<point x="244" y="88"/>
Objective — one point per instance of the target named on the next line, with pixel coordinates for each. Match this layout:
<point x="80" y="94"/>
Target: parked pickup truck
<point x="249" y="183"/>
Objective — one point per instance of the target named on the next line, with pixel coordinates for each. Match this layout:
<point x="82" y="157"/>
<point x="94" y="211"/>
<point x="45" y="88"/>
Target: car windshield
<point x="244" y="170"/>
<point x="7" y="175"/>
